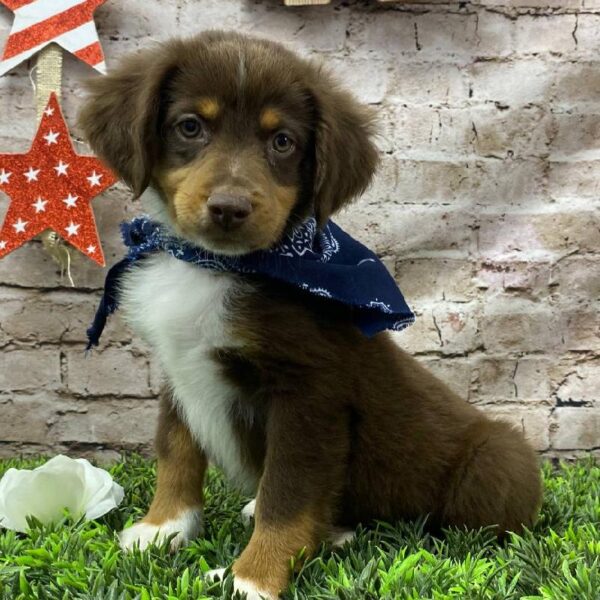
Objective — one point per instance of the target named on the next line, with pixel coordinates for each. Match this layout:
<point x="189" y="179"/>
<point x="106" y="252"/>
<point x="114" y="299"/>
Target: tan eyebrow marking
<point x="270" y="119"/>
<point x="209" y="108"/>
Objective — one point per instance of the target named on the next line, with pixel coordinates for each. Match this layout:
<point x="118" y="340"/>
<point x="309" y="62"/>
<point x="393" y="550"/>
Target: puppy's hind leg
<point x="178" y="501"/>
<point x="497" y="480"/>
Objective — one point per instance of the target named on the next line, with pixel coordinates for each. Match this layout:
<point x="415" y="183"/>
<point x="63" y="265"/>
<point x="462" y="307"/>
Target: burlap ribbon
<point x="48" y="79"/>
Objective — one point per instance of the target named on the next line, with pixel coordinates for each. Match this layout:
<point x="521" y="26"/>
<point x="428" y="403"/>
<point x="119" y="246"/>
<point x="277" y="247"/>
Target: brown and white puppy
<point x="239" y="139"/>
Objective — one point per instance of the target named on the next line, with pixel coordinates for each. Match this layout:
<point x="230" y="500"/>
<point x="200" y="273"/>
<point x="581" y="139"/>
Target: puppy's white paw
<point x="187" y="526"/>
<point x="252" y="592"/>
<point x="339" y="537"/>
<point x="215" y="574"/>
<point x="244" y="586"/>
<point x="248" y="511"/>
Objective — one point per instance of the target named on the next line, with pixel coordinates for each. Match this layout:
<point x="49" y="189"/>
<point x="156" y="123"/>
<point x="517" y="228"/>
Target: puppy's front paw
<point x="341" y="537"/>
<point x="187" y="526"/>
<point x="252" y="592"/>
<point x="215" y="574"/>
<point x="243" y="586"/>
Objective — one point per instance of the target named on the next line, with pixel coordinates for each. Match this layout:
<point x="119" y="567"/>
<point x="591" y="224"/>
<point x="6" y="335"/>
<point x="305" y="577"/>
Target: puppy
<point x="239" y="141"/>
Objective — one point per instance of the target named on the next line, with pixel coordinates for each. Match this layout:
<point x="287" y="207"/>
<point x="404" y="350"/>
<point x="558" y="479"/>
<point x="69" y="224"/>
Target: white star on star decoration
<point x="71" y="201"/>
<point x="4" y="176"/>
<point x="72" y="229"/>
<point x="94" y="179"/>
<point x="91" y="249"/>
<point x="2" y="245"/>
<point x="51" y="137"/>
<point x="40" y="205"/>
<point x="61" y="168"/>
<point x="32" y="174"/>
<point x="20" y="225"/>
<point x="49" y="111"/>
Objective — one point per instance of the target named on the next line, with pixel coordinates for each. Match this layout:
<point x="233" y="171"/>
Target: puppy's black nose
<point x="228" y="211"/>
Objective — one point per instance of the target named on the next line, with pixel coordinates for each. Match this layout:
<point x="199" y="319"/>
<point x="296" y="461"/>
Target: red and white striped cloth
<point x="68" y="23"/>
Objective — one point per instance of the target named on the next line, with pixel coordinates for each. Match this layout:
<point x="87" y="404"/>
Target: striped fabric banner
<point x="68" y="23"/>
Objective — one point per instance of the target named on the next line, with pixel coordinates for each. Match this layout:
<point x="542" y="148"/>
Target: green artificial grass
<point x="557" y="559"/>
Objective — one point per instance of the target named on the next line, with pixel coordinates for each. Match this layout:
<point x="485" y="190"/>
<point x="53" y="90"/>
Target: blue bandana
<point x="327" y="263"/>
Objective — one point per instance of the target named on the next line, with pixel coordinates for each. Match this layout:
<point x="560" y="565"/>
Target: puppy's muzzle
<point x="227" y="211"/>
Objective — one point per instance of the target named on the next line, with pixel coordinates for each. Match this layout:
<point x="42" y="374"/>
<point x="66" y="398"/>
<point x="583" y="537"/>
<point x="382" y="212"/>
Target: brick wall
<point x="485" y="207"/>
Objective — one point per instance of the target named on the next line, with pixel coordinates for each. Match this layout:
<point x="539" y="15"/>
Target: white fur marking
<point x="179" y="309"/>
<point x="246" y="586"/>
<point x="187" y="526"/>
<point x="248" y="511"/>
<point x="340" y="538"/>
<point x="215" y="574"/>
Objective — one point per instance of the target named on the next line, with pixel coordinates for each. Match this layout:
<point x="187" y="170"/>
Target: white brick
<point x="32" y="370"/>
<point x="317" y="28"/>
<point x="588" y="39"/>
<point x="578" y="384"/>
<point x="521" y="326"/>
<point x="447" y="35"/>
<point x="427" y="279"/>
<point x="458" y="328"/>
<point x="577" y="84"/>
<point x="426" y="83"/>
<point x="123" y="422"/>
<point x="573" y="278"/>
<point x="411" y="231"/>
<point x="545" y="34"/>
<point x="519" y="133"/>
<point x="432" y="132"/>
<point x="384" y="33"/>
<point x="577" y="137"/>
<point x="495" y="34"/>
<point x="532" y="379"/>
<point x="538" y="236"/>
<point x="575" y="428"/>
<point x="27" y="418"/>
<point x="366" y="80"/>
<point x="498" y="380"/>
<point x="511" y="83"/>
<point x="108" y="372"/>
<point x="574" y="179"/>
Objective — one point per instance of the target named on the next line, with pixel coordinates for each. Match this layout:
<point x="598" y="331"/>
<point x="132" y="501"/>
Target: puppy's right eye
<point x="190" y="127"/>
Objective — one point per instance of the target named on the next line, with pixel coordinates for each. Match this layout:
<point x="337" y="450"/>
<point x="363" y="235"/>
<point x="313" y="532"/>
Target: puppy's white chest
<point x="180" y="310"/>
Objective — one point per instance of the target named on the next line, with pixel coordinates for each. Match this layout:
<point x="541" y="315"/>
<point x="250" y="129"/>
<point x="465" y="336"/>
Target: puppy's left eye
<point x="190" y="127"/>
<point x="282" y="143"/>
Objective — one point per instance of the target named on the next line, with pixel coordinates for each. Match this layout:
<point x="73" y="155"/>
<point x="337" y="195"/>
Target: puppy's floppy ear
<point x="120" y="118"/>
<point x="346" y="157"/>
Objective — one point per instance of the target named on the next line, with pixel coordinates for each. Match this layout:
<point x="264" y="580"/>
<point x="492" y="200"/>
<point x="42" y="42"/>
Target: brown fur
<point x="348" y="428"/>
<point x="266" y="559"/>
<point x="180" y="469"/>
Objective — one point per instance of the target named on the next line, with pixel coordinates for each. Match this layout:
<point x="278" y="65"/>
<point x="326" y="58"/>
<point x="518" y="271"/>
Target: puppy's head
<point x="241" y="137"/>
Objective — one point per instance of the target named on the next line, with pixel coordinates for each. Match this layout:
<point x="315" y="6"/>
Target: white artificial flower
<point x="61" y="483"/>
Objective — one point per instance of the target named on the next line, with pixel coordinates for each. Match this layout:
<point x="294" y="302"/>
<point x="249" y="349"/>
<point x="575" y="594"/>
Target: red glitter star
<point x="51" y="187"/>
